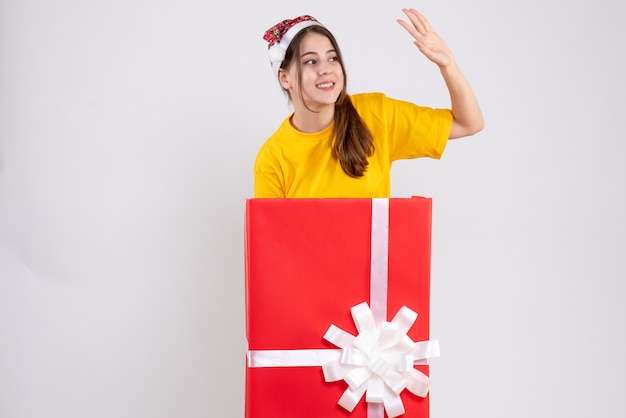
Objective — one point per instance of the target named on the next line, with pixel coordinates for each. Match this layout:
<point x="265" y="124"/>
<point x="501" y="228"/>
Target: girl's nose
<point x="324" y="68"/>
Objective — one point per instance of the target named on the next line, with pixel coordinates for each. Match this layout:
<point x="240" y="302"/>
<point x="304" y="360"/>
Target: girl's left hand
<point x="427" y="40"/>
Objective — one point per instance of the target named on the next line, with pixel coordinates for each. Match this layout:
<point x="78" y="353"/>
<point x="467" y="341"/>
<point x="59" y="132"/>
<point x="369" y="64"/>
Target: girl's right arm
<point x="468" y="118"/>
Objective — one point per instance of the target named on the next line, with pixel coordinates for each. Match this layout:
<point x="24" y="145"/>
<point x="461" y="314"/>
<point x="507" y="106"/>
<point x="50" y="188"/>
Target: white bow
<point x="379" y="362"/>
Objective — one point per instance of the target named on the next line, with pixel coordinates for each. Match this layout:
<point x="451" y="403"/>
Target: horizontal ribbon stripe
<point x="292" y="358"/>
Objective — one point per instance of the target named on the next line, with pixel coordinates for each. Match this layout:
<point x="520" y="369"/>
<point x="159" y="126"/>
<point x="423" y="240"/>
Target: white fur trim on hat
<point x="276" y="52"/>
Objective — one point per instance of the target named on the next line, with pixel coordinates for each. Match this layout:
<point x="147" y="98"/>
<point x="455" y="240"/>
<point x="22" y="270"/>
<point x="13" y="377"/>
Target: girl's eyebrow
<point x="330" y="51"/>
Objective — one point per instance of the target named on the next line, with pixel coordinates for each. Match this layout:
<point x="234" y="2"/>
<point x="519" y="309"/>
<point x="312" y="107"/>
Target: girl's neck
<point x="310" y="122"/>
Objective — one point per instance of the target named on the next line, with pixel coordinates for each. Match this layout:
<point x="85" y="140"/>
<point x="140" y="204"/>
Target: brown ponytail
<point x="351" y="141"/>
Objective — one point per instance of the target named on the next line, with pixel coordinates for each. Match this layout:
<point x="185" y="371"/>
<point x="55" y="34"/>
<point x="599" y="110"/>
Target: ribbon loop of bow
<point x="379" y="362"/>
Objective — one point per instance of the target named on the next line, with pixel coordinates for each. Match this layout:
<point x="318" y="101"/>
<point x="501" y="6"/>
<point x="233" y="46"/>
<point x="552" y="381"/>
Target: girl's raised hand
<point x="426" y="39"/>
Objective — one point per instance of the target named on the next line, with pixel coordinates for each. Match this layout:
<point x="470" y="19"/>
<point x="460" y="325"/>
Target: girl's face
<point x="321" y="78"/>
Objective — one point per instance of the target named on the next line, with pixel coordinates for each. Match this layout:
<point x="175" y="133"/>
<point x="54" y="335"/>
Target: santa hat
<point x="280" y="36"/>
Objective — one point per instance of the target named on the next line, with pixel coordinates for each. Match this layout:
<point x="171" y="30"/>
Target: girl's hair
<point x="351" y="141"/>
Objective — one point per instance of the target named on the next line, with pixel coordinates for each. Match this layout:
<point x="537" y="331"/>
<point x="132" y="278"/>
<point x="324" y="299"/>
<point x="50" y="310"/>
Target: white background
<point x="128" y="132"/>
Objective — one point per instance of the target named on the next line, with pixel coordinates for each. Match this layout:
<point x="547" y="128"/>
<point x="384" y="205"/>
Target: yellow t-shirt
<point x="295" y="164"/>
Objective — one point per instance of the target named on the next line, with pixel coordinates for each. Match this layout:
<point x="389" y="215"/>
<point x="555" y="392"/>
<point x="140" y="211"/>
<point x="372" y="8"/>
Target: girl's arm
<point x="468" y="118"/>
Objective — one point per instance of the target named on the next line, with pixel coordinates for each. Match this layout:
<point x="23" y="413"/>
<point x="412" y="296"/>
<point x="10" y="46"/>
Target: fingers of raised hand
<point x="418" y="20"/>
<point x="410" y="28"/>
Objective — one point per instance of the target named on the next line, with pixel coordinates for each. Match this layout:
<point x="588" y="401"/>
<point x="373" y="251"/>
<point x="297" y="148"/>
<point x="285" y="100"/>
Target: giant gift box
<point x="324" y="281"/>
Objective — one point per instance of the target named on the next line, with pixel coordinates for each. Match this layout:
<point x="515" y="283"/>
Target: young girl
<point x="340" y="145"/>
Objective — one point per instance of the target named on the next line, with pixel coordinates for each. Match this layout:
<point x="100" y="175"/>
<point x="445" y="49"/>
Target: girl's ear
<point x="283" y="79"/>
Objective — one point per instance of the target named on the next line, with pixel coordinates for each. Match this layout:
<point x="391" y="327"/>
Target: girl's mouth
<point x="325" y="85"/>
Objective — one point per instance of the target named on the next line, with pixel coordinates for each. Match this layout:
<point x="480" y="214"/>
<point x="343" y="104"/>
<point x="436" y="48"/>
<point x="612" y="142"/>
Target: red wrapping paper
<point x="307" y="264"/>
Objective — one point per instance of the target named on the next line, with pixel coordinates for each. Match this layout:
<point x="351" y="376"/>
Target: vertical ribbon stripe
<point x="379" y="260"/>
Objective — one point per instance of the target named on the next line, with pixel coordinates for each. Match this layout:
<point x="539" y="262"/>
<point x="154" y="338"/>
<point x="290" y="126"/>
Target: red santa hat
<point x="280" y="36"/>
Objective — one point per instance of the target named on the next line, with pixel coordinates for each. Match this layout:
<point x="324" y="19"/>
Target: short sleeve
<point x="409" y="130"/>
<point x="267" y="181"/>
<point x="417" y="131"/>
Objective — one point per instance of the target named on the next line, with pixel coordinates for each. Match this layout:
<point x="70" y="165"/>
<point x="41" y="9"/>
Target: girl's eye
<point x="310" y="62"/>
<point x="333" y="59"/>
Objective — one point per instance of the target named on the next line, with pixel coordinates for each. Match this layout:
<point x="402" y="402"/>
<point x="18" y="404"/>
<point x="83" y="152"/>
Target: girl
<point x="340" y="145"/>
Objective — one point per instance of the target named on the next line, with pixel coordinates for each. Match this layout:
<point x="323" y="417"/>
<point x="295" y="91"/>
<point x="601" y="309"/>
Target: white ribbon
<point x="379" y="259"/>
<point x="292" y="358"/>
<point x="379" y="361"/>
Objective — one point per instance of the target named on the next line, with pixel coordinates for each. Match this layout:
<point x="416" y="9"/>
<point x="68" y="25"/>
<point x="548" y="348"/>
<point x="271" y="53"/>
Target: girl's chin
<point x="329" y="100"/>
